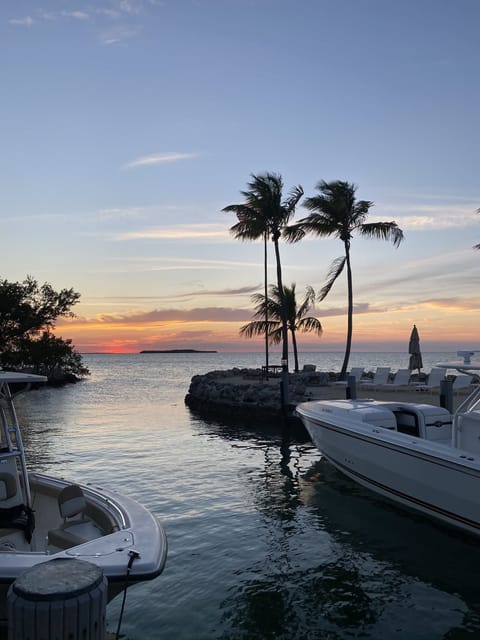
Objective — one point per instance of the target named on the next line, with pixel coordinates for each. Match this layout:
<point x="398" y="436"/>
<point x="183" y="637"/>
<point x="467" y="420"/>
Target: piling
<point x="351" y="390"/>
<point x="446" y="395"/>
<point x="62" y="599"/>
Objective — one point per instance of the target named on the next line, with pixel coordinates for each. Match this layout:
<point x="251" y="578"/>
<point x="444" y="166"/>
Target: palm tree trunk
<point x="281" y="292"/>
<point x="348" y="345"/>
<point x="294" y="347"/>
<point x="265" y="237"/>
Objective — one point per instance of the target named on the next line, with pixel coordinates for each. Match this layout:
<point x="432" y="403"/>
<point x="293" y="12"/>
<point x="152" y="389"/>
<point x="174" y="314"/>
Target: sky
<point x="127" y="126"/>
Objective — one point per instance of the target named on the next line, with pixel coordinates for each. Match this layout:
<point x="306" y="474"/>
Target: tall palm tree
<point x="265" y="211"/>
<point x="336" y="212"/>
<point x="297" y="320"/>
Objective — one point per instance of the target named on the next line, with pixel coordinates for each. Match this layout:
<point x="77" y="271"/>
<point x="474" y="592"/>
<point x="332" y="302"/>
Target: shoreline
<point x="243" y="394"/>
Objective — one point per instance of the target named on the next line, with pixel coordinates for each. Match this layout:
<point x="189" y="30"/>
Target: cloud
<point x="148" y="318"/>
<point x="109" y="20"/>
<point x="191" y="232"/>
<point x="59" y="15"/>
<point x="127" y="6"/>
<point x="27" y="21"/>
<point x="159" y="158"/>
<point x="420" y="216"/>
<point x="119" y="33"/>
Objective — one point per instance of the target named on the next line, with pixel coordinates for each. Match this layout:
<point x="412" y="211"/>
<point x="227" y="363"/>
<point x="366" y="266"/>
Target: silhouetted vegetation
<point x="266" y="211"/>
<point x="336" y="212"/>
<point x="297" y="319"/>
<point x="28" y="312"/>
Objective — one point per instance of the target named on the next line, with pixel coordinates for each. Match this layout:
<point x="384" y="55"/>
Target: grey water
<point x="266" y="540"/>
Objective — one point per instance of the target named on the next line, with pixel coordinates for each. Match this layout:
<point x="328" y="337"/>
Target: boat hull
<point x="428" y="477"/>
<point x="137" y="545"/>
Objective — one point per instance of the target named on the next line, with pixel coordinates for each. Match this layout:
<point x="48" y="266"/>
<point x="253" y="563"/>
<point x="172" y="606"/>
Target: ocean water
<point x="266" y="540"/>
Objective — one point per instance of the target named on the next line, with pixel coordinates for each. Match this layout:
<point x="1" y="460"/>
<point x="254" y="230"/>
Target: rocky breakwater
<point x="246" y="393"/>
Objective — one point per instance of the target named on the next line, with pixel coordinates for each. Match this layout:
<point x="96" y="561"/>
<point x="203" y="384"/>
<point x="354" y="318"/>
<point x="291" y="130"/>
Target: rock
<point x="244" y="393"/>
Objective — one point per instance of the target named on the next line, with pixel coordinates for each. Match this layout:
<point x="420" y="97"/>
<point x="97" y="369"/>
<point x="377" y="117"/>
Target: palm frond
<point x="335" y="270"/>
<point x="293" y="198"/>
<point x="310" y="325"/>
<point x="293" y="233"/>
<point x="257" y="328"/>
<point x="383" y="231"/>
<point x="308" y="302"/>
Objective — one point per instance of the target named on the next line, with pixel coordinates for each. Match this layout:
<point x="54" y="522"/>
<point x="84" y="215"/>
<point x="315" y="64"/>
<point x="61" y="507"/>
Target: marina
<point x="266" y="539"/>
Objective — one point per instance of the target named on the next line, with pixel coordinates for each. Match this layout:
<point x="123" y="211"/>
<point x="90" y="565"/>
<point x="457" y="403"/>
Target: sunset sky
<point x="127" y="125"/>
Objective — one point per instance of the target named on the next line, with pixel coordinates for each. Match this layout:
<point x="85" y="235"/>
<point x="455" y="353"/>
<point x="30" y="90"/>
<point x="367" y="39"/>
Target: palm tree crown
<point x="264" y="209"/>
<point x="336" y="212"/>
<point x="297" y="319"/>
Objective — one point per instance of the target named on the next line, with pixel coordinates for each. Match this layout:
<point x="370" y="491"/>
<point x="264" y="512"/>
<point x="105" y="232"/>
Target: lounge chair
<point x="380" y="377"/>
<point x="462" y="381"/>
<point x="436" y="375"/>
<point x="400" y="379"/>
<point x="356" y="372"/>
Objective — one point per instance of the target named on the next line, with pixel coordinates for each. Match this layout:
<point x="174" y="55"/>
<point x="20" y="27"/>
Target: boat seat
<point x="76" y="528"/>
<point x="8" y="486"/>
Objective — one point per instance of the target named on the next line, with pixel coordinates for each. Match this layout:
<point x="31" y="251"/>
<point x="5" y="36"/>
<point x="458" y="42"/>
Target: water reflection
<point x="416" y="545"/>
<point x="342" y="562"/>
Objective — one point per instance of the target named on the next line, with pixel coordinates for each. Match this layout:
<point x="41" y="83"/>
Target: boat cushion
<point x="74" y="533"/>
<point x="8" y="486"/>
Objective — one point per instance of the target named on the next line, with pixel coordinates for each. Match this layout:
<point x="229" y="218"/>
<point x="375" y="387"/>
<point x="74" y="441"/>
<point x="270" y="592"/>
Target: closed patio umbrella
<point x="414" y="351"/>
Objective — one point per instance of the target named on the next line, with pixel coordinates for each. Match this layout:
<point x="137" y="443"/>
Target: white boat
<point x="418" y="455"/>
<point x="44" y="517"/>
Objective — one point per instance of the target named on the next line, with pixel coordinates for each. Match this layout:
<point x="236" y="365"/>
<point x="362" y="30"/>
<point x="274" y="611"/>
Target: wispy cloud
<point x="116" y="22"/>
<point x="26" y="21"/>
<point x="159" y="158"/>
<point x="119" y="34"/>
<point x="186" y="232"/>
<point x="129" y="6"/>
<point x="199" y="314"/>
<point x="58" y="15"/>
<point x="420" y="215"/>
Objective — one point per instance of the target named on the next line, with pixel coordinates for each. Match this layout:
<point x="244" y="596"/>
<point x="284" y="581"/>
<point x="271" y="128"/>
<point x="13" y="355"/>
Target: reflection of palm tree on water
<point x="340" y="562"/>
<point x="295" y="593"/>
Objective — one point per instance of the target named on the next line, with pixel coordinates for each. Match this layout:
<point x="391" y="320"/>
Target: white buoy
<point x="62" y="599"/>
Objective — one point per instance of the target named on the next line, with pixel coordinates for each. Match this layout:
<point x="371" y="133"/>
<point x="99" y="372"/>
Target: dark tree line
<point x="28" y="313"/>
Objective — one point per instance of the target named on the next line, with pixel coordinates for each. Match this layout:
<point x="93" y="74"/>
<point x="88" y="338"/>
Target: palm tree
<point x="265" y="211"/>
<point x="336" y="212"/>
<point x="296" y="317"/>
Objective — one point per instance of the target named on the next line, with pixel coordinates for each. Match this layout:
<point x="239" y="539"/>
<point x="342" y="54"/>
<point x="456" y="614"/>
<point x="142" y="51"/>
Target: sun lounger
<point x="356" y="372"/>
<point x="380" y="378"/>
<point x="400" y="379"/>
<point x="436" y="375"/>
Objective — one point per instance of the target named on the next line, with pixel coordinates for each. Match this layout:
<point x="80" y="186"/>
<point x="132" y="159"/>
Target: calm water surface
<point x="266" y="540"/>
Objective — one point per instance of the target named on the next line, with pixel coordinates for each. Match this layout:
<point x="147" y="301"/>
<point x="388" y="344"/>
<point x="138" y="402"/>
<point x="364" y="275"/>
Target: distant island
<point x="176" y="351"/>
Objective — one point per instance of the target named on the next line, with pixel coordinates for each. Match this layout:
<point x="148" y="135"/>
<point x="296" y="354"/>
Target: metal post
<point x="446" y="395"/>
<point x="351" y="391"/>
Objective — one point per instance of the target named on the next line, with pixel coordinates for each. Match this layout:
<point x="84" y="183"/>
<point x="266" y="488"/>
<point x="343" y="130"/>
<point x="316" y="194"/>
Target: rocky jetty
<point x="246" y="393"/>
